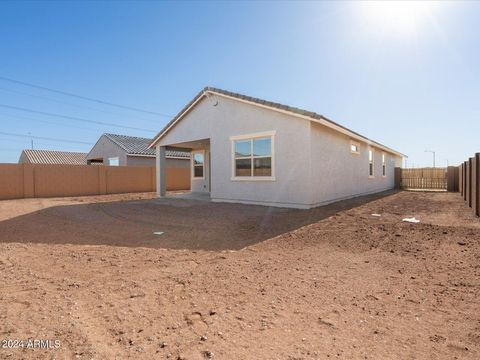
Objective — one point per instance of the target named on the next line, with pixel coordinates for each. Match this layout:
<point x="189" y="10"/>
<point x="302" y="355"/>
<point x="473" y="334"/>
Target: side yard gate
<point x="424" y="179"/>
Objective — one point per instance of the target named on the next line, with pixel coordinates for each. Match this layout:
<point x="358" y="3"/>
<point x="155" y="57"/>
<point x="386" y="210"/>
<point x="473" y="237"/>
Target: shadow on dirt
<point x="186" y="224"/>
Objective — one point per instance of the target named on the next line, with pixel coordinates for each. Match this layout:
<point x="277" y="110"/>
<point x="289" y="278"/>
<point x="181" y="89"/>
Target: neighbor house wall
<point x="337" y="173"/>
<point x="141" y="160"/>
<point x="134" y="160"/>
<point x="23" y="158"/>
<point x="220" y="118"/>
<point x="105" y="149"/>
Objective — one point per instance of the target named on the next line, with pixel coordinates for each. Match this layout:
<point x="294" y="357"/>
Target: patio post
<point x="160" y="165"/>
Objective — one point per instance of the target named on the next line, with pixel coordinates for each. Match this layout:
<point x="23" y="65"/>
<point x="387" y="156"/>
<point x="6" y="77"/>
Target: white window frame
<point x="372" y="175"/>
<point x="384" y="165"/>
<point x="114" y="158"/>
<point x="271" y="135"/>
<point x="192" y="161"/>
<point x="357" y="144"/>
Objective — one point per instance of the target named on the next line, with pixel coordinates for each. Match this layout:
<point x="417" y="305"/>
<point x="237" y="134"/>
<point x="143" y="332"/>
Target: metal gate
<point x="424" y="179"/>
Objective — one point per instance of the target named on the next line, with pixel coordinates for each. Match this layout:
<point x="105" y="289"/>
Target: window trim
<point x="384" y="165"/>
<point x="357" y="144"/>
<point x="371" y="176"/>
<point x="193" y="165"/>
<point x="114" y="158"/>
<point x="271" y="135"/>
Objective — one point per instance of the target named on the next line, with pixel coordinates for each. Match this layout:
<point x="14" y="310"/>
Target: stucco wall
<point x="150" y="161"/>
<point x="228" y="118"/>
<point x="140" y="161"/>
<point x="105" y="148"/>
<point x="23" y="159"/>
<point x="313" y="164"/>
<point x="11" y="181"/>
<point x="339" y="174"/>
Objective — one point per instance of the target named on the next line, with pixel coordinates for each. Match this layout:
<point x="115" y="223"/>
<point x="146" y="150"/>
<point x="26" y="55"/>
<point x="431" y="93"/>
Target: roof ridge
<point x="128" y="136"/>
<point x="58" y="151"/>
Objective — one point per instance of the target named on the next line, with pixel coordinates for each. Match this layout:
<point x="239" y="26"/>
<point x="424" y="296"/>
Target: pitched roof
<point x="313" y="116"/>
<point x="139" y="146"/>
<point x="55" y="157"/>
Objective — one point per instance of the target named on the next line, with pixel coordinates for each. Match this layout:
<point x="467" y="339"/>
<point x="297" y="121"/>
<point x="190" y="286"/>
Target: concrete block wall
<point x="36" y="181"/>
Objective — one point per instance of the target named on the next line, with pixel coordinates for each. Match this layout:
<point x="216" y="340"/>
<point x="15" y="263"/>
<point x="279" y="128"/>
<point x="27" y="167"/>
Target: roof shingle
<point x="55" y="157"/>
<point x="139" y="146"/>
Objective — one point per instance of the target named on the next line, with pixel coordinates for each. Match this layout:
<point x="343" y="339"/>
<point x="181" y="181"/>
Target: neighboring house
<point x="52" y="157"/>
<point x="122" y="150"/>
<point x="253" y="151"/>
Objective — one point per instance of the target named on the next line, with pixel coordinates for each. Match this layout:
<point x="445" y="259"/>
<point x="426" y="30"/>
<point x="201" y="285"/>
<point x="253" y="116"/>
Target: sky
<point x="405" y="75"/>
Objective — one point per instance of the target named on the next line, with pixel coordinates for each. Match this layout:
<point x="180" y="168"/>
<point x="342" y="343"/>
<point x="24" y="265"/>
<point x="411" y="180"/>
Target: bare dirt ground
<point x="240" y="282"/>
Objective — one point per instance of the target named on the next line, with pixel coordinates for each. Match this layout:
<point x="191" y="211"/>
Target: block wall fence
<point x="31" y="180"/>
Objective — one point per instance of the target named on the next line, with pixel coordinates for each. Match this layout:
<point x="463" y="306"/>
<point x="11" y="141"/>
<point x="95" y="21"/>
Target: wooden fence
<point x="469" y="183"/>
<point x="424" y="179"/>
<point x="31" y="181"/>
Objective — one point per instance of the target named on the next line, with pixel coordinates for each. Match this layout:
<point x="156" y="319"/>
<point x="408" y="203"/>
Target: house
<point x="248" y="150"/>
<point x="123" y="150"/>
<point x="52" y="157"/>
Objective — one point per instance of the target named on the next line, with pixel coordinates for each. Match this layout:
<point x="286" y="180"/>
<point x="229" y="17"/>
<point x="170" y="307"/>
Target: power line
<point x="45" y="138"/>
<point x="69" y="103"/>
<point x="82" y="97"/>
<point x="48" y="143"/>
<point x="73" y="118"/>
<point x="49" y="122"/>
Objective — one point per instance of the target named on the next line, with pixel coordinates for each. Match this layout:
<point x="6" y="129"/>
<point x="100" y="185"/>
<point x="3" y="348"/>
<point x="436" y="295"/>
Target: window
<point x="113" y="161"/>
<point x="384" y="165"/>
<point x="253" y="157"/>
<point x="198" y="161"/>
<point x="354" y="147"/>
<point x="370" y="163"/>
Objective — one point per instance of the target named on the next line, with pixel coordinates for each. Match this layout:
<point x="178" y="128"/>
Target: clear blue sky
<point x="408" y="80"/>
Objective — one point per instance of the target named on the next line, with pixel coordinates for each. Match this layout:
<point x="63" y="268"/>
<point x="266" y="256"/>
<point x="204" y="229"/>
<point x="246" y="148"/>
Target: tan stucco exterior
<point x="313" y="164"/>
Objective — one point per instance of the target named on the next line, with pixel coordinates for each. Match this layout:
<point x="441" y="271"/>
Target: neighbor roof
<point x="139" y="146"/>
<point x="55" y="157"/>
<point x="310" y="115"/>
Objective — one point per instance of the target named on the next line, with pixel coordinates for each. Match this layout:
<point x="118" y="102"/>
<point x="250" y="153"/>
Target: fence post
<point x="28" y="181"/>
<point x="460" y="179"/>
<point x="451" y="179"/>
<point x="456" y="171"/>
<point x="474" y="182"/>
<point x="476" y="199"/>
<point x="469" y="182"/>
<point x="465" y="180"/>
<point x="398" y="177"/>
<point x="102" y="179"/>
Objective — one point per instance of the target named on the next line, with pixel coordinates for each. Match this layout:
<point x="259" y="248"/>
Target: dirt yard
<point x="240" y="282"/>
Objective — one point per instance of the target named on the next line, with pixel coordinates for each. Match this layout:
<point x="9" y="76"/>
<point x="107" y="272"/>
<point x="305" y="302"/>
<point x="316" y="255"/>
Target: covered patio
<point x="200" y="183"/>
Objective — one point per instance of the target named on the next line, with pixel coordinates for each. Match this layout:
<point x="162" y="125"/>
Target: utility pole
<point x="433" y="153"/>
<point x="31" y="140"/>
